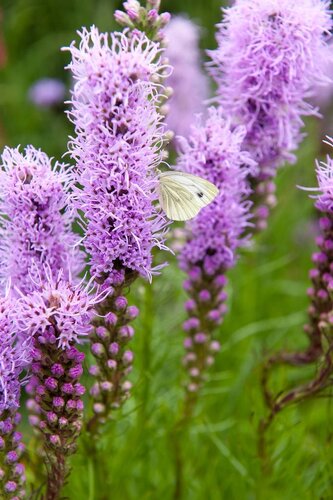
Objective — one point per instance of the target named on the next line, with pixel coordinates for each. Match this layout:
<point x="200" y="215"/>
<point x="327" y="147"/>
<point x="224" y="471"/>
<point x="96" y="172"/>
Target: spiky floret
<point x="117" y="147"/>
<point x="35" y="224"/>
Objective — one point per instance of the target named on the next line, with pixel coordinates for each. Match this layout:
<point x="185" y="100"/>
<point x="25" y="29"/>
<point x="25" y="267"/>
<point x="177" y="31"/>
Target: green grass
<point x="267" y="308"/>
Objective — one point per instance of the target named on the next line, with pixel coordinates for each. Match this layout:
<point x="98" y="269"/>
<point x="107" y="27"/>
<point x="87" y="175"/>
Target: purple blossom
<point x="47" y="92"/>
<point x="322" y="93"/>
<point x="189" y="83"/>
<point x="57" y="312"/>
<point x="35" y="226"/>
<point x="146" y="19"/>
<point x="15" y="355"/>
<point x="117" y="147"/>
<point x="215" y="151"/>
<point x="324" y="172"/>
<point x="58" y="315"/>
<point x="269" y="56"/>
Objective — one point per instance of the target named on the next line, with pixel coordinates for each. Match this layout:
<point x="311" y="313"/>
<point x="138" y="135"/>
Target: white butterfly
<point x="183" y="195"/>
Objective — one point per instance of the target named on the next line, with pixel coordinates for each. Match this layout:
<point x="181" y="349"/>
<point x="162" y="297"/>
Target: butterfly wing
<point x="183" y="195"/>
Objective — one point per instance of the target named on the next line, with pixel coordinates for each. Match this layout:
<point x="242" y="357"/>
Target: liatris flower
<point x="189" y="84"/>
<point x="117" y="147"/>
<point x="58" y="315"/>
<point x="320" y="324"/>
<point x="35" y="228"/>
<point x="214" y="151"/>
<point x="322" y="95"/>
<point x="36" y="241"/>
<point x="269" y="56"/>
<point x="47" y="92"/>
<point x="14" y="357"/>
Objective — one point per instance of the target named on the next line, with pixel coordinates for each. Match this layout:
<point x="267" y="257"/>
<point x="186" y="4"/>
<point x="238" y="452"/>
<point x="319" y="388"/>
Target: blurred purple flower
<point x="35" y="226"/>
<point x="189" y="83"/>
<point x="269" y="56"/>
<point x="47" y="92"/>
<point x="318" y="328"/>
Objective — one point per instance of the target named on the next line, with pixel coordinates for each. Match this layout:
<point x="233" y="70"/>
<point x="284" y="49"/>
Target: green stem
<point x="146" y="339"/>
<point x="146" y="334"/>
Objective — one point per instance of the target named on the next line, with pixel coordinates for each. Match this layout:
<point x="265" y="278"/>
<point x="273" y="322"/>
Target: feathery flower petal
<point x="57" y="310"/>
<point x="324" y="171"/>
<point x="117" y="147"/>
<point x="15" y="355"/>
<point x="59" y="315"/>
<point x="269" y="56"/>
<point x="215" y="152"/>
<point x="35" y="226"/>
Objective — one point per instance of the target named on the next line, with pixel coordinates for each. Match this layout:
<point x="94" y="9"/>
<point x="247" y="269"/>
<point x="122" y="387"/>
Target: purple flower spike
<point x="119" y="136"/>
<point x="320" y="320"/>
<point x="15" y="354"/>
<point x="118" y="141"/>
<point x="214" y="151"/>
<point x="188" y="82"/>
<point x="36" y="231"/>
<point x="270" y="55"/>
<point x="59" y="316"/>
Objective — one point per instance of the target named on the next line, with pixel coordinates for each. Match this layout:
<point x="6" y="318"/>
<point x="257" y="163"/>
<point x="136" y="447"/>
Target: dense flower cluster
<point x="14" y="357"/>
<point x="269" y="55"/>
<point x="187" y="80"/>
<point x="215" y="152"/>
<point x="320" y="311"/>
<point x="12" y="471"/>
<point x="109" y="343"/>
<point x="146" y="19"/>
<point x="35" y="226"/>
<point x="58" y="315"/>
<point x="117" y="146"/>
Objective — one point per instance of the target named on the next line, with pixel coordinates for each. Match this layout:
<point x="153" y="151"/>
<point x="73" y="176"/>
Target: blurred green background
<point x="267" y="308"/>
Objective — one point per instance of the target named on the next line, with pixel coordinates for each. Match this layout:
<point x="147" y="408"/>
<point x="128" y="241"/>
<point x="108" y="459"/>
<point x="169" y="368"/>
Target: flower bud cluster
<point x="205" y="308"/>
<point x="12" y="472"/>
<point x="109" y="346"/>
<point x="146" y="19"/>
